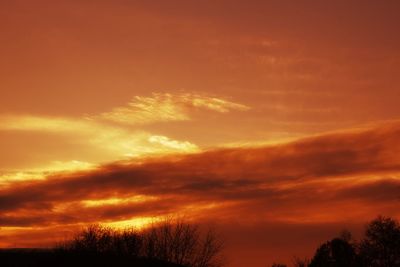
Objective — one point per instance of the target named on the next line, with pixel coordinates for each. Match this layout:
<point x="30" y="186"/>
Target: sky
<point x="275" y="121"/>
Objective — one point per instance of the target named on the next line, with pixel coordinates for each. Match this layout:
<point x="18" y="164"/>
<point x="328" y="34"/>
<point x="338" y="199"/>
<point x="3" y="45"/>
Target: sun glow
<point x="117" y="201"/>
<point x="138" y="223"/>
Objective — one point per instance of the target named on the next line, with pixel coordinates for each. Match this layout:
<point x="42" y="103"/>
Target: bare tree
<point x="182" y="243"/>
<point x="172" y="241"/>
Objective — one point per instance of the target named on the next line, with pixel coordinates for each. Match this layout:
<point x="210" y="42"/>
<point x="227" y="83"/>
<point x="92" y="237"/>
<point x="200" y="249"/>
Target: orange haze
<point x="275" y="121"/>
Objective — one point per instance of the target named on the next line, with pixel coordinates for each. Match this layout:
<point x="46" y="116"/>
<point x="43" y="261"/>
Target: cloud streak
<point x="111" y="142"/>
<point x="168" y="107"/>
<point x="288" y="182"/>
<point x="110" y="136"/>
<point x="260" y="198"/>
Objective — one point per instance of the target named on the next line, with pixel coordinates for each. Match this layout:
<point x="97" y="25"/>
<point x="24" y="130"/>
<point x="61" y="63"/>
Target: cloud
<point x="167" y="107"/>
<point x="98" y="138"/>
<point x="40" y="173"/>
<point x="111" y="142"/>
<point x="311" y="180"/>
<point x="260" y="198"/>
<point x="174" y="144"/>
<point x="212" y="103"/>
<point x="46" y="123"/>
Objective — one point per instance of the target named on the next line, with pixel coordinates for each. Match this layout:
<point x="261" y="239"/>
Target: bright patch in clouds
<point x="136" y="223"/>
<point x="117" y="201"/>
<point x="173" y="144"/>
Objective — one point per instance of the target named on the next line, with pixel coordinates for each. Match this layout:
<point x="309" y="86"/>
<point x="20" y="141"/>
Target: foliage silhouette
<point x="169" y="244"/>
<point x="381" y="244"/>
<point x="380" y="247"/>
<point x="176" y="242"/>
<point x="179" y="244"/>
<point x="297" y="262"/>
<point x="337" y="252"/>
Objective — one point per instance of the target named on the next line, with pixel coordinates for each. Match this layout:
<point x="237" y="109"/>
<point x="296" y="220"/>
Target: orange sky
<point x="275" y="119"/>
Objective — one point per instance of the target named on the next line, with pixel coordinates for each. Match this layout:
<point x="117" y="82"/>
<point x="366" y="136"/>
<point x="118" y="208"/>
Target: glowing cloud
<point x="98" y="139"/>
<point x="167" y="107"/>
<point x="113" y="142"/>
<point x="293" y="182"/>
<point x="41" y="173"/>
<point x="173" y="144"/>
<point x="46" y="123"/>
<point x="116" y="201"/>
<point x="307" y="186"/>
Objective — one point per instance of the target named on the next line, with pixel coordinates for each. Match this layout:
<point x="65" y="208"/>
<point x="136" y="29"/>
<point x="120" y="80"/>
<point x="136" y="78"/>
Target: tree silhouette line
<point x="180" y="244"/>
<point x="379" y="247"/>
<point x="169" y="244"/>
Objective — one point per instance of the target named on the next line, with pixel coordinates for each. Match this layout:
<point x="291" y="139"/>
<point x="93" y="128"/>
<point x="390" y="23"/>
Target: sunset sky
<point x="276" y="121"/>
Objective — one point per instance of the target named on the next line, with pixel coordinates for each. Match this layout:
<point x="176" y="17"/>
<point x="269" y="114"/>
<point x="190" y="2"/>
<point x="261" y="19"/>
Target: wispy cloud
<point x="108" y="142"/>
<point x="173" y="144"/>
<point x="161" y="107"/>
<point x="126" y="138"/>
<point x="46" y="123"/>
<point x="39" y="173"/>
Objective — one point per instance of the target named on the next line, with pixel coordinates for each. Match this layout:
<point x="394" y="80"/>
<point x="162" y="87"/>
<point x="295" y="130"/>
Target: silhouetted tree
<point x="335" y="253"/>
<point x="99" y="239"/>
<point x="170" y="241"/>
<point x="182" y="243"/>
<point x="381" y="244"/>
